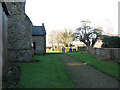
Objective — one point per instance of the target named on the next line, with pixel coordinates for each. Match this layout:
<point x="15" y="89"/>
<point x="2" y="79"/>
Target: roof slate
<point x="38" y="30"/>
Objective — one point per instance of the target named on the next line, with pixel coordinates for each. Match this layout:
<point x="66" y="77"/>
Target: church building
<point x="39" y="39"/>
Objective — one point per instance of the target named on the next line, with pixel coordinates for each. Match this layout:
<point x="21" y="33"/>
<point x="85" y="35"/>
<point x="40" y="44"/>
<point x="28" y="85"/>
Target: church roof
<point x="38" y="30"/>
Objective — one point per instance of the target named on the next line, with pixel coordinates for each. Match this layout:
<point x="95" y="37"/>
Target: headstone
<point x="70" y="49"/>
<point x="74" y="50"/>
<point x="81" y="49"/>
<point x="63" y="49"/>
<point x="78" y="48"/>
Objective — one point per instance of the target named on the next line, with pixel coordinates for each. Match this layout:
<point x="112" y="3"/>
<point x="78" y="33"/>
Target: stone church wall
<point x="19" y="33"/>
<point x="40" y="44"/>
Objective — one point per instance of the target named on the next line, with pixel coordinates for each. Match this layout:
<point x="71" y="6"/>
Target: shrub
<point x="111" y="42"/>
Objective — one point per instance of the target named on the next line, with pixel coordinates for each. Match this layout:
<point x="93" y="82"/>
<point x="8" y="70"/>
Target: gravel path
<point x="85" y="76"/>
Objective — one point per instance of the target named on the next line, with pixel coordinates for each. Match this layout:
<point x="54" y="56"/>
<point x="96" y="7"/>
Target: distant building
<point x="39" y="39"/>
<point x="78" y="44"/>
<point x="98" y="44"/>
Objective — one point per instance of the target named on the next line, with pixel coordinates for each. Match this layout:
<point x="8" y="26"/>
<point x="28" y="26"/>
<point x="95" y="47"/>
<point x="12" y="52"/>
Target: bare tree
<point x="67" y="37"/>
<point x="61" y="37"/>
<point x="58" y="37"/>
<point x="51" y="38"/>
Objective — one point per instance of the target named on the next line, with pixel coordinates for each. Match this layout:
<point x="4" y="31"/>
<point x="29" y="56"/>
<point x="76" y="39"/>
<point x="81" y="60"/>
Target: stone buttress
<point x="19" y="33"/>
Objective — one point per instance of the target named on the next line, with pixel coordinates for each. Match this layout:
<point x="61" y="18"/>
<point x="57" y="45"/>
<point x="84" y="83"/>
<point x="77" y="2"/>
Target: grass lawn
<point x="108" y="67"/>
<point x="49" y="72"/>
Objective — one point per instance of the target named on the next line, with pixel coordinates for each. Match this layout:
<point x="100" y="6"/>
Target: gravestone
<point x="70" y="49"/>
<point x="63" y="49"/>
<point x="74" y="50"/>
<point x="81" y="48"/>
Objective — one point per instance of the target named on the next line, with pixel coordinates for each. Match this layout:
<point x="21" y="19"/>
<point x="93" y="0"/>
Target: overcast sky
<point x="60" y="14"/>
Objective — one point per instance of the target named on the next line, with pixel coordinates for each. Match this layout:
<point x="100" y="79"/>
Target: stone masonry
<point x="39" y="39"/>
<point x="40" y="45"/>
<point x="19" y="33"/>
<point x="106" y="53"/>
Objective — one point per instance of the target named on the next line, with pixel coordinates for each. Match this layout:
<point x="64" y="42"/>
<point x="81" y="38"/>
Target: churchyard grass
<point x="49" y="72"/>
<point x="109" y="67"/>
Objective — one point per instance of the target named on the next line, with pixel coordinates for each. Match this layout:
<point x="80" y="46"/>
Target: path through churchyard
<point x="85" y="76"/>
